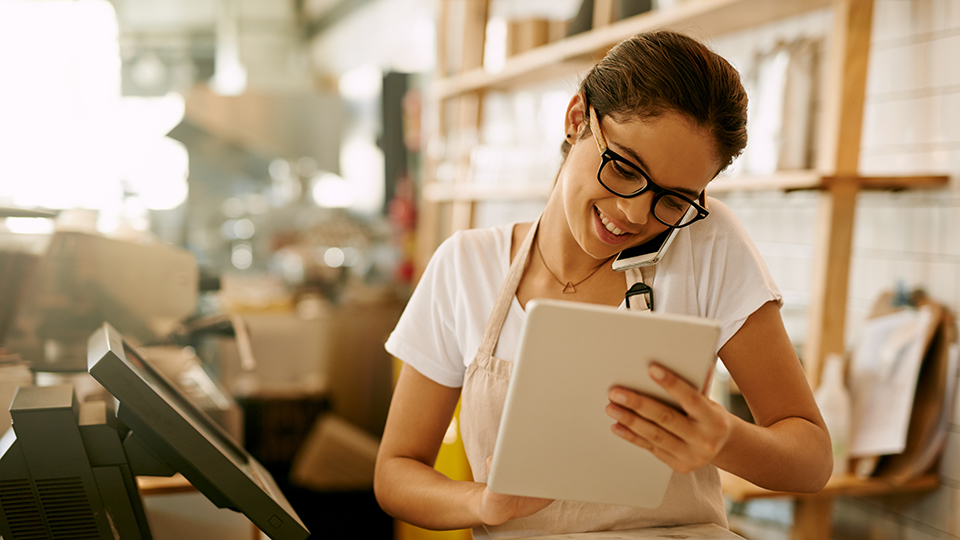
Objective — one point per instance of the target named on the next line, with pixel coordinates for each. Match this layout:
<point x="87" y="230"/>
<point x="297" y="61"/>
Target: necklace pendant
<point x="569" y="288"/>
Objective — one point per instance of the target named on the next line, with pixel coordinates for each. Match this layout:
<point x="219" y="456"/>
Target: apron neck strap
<point x="491" y="333"/>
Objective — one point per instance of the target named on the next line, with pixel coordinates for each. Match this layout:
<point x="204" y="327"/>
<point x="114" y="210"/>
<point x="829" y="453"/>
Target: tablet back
<point x="555" y="439"/>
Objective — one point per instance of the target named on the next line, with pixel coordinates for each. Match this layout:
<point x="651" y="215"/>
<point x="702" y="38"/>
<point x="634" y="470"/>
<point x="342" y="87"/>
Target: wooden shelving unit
<point x="812" y="511"/>
<point x="449" y="207"/>
<point x="812" y="180"/>
<point x="699" y="18"/>
<point x="848" y="485"/>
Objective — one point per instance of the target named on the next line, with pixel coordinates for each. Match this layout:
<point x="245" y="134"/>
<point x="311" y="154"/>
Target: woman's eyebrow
<point x="637" y="160"/>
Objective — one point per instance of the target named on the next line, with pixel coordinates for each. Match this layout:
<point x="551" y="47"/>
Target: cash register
<point x="68" y="468"/>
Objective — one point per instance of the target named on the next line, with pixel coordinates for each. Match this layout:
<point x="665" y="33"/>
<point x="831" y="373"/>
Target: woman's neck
<point x="560" y="260"/>
<point x="560" y="249"/>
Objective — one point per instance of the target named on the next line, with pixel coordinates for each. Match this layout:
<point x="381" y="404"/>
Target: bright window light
<point x="156" y="169"/>
<point x="331" y="191"/>
<point x="361" y="163"/>
<point x="361" y="83"/>
<point x="495" y="45"/>
<point x="150" y="117"/>
<point x="152" y="165"/>
<point x="29" y="225"/>
<point x="67" y="137"/>
<point x="60" y="63"/>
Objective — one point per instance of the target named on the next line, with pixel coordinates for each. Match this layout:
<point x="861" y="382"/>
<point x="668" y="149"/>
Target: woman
<point x="656" y="120"/>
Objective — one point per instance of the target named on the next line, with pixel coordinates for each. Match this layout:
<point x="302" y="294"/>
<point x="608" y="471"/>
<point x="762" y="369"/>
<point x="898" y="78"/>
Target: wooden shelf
<point x="781" y="181"/>
<point x="810" y="180"/>
<point x="700" y="18"/>
<point x="739" y="490"/>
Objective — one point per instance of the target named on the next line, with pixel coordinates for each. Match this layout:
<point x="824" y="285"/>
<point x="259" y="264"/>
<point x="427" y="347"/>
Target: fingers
<point x="684" y="439"/>
<point x="690" y="399"/>
<point x="653" y="419"/>
<point x="648" y="423"/>
<point x="659" y="452"/>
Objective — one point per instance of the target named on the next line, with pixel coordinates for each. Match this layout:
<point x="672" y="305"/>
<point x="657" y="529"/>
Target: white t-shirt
<point x="711" y="270"/>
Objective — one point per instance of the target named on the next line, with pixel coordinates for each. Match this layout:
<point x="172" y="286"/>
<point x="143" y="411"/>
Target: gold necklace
<point x="568" y="287"/>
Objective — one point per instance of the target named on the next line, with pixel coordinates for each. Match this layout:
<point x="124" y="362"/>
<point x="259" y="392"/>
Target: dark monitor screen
<point x="169" y="426"/>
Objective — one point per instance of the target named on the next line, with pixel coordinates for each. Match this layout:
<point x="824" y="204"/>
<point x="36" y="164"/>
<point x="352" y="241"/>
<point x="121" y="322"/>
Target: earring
<point x="568" y="135"/>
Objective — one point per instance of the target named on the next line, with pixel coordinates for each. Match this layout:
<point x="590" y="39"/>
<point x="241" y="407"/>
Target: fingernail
<point x="657" y="373"/>
<point x="618" y="397"/>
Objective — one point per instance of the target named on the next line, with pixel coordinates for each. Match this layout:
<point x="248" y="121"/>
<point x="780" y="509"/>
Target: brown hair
<point x="653" y="73"/>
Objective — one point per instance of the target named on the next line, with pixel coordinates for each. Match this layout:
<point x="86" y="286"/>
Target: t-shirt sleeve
<point x="739" y="282"/>
<point x="425" y="336"/>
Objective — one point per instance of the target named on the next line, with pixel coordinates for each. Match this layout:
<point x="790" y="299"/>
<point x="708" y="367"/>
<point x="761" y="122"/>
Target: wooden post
<point x="828" y="303"/>
<point x="435" y="114"/>
<point x="840" y="151"/>
<point x="469" y="107"/>
<point x="461" y="115"/>
<point x="812" y="519"/>
<point x="474" y="33"/>
<point x="840" y="148"/>
<point x="526" y="34"/>
<point x="604" y="12"/>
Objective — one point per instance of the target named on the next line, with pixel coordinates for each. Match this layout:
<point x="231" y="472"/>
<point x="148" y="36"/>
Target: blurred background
<point x="248" y="190"/>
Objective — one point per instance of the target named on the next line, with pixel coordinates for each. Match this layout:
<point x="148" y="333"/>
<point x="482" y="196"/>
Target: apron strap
<point x="491" y="333"/>
<point x="636" y="278"/>
<point x="647" y="273"/>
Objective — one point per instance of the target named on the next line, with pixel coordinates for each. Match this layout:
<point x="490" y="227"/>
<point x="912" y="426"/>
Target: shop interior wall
<point x="911" y="126"/>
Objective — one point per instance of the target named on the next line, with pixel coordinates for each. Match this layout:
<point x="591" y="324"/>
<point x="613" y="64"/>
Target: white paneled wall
<point x="911" y="125"/>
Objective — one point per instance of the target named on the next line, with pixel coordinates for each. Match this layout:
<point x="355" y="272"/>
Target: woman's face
<point x="675" y="154"/>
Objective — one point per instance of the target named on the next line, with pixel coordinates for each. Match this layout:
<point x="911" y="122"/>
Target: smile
<point x="609" y="224"/>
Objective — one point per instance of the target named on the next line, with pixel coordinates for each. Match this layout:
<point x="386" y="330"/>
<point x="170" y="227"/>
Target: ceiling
<point x="170" y="45"/>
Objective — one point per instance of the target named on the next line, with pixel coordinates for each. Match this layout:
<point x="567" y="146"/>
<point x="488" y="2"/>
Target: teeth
<point x="610" y="226"/>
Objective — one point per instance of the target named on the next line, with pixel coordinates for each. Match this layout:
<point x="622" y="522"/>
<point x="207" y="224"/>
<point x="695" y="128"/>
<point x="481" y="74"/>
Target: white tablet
<point x="555" y="439"/>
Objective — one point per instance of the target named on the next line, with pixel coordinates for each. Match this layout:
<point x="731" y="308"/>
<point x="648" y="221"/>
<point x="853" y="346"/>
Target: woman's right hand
<point x="496" y="508"/>
<point x="405" y="482"/>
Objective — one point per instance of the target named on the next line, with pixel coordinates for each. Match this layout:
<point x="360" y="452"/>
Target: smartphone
<point x="647" y="253"/>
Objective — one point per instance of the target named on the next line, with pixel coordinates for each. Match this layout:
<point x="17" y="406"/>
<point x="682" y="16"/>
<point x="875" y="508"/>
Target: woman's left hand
<point x="685" y="440"/>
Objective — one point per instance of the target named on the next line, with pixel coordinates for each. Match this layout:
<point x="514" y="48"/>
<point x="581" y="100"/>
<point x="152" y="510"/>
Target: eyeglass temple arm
<point x="594" y="125"/>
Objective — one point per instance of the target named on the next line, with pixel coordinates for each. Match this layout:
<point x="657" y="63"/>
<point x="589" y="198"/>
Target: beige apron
<point x="690" y="498"/>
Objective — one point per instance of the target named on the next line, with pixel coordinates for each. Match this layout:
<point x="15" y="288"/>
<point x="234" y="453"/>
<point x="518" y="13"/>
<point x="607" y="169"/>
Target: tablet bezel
<point x="554" y="439"/>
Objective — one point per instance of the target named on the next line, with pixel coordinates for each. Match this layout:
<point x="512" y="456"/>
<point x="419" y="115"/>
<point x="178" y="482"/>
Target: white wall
<point x="911" y="125"/>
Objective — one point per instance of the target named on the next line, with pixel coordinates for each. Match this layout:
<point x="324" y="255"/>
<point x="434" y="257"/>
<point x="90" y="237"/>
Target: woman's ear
<point x="574" y="120"/>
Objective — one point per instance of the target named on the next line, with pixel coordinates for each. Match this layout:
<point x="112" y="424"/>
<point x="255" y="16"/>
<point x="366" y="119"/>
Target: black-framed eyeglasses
<point x="624" y="179"/>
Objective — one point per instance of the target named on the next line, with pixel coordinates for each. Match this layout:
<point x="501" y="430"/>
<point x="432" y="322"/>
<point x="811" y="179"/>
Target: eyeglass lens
<point x="624" y="180"/>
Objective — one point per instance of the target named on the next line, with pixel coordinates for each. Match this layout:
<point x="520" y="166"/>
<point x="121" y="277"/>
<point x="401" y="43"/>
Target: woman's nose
<point x="637" y="209"/>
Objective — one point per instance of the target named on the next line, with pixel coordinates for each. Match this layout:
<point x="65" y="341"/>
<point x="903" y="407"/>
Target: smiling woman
<point x="651" y="125"/>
